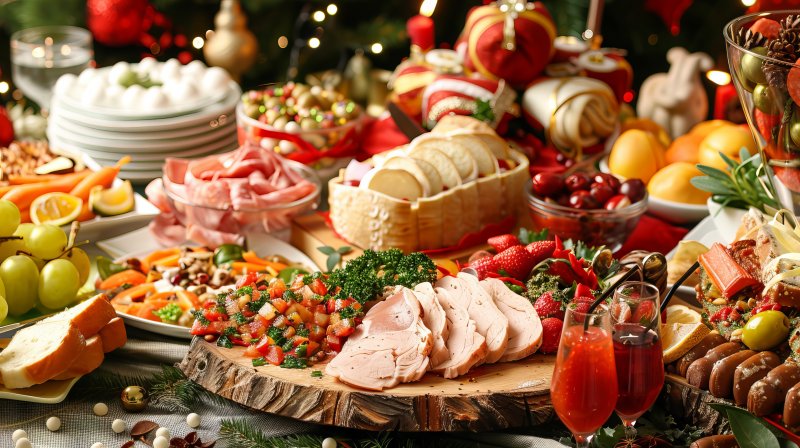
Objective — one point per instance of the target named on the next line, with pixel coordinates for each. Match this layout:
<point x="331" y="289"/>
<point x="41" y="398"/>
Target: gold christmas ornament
<point x="134" y="398"/>
<point x="232" y="46"/>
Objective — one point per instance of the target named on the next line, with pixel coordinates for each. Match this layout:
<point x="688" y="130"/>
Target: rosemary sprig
<point x="238" y="434"/>
<point x="742" y="186"/>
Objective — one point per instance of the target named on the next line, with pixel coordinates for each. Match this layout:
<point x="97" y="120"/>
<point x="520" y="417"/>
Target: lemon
<point x="646" y="124"/>
<point x="727" y="140"/>
<point x="112" y="201"/>
<point x="678" y="338"/>
<point x="56" y="208"/>
<point x="704" y="128"/>
<point x="636" y="154"/>
<point x="682" y="314"/>
<point x="672" y="183"/>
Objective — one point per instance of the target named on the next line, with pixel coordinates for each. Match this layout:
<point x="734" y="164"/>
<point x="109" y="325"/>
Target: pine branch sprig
<point x="238" y="434"/>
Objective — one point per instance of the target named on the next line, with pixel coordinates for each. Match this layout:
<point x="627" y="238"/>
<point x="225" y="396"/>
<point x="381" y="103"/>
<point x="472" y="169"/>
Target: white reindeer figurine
<point x="676" y="100"/>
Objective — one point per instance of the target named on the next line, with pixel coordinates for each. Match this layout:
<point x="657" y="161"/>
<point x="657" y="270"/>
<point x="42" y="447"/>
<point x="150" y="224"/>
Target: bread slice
<point x="89" y="316"/>
<point x="422" y="170"/>
<point x="447" y="170"/>
<point x="450" y="123"/>
<point x="113" y="335"/>
<point x="89" y="359"/>
<point x="40" y="352"/>
<point x="461" y="157"/>
<point x="395" y="183"/>
<point x="487" y="162"/>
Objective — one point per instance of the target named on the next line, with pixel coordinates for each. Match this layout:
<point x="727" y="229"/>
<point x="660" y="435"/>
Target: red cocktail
<point x="584" y="388"/>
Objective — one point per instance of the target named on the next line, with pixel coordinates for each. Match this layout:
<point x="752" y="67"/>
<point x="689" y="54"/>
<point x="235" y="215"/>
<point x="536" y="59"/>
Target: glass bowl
<point x="275" y="220"/>
<point x="596" y="227"/>
<point x="769" y="90"/>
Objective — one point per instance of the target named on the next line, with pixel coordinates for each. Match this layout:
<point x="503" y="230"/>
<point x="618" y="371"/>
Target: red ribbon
<point x="307" y="153"/>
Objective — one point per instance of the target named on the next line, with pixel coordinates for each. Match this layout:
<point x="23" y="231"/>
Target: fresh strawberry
<point x="541" y="250"/>
<point x="583" y="299"/>
<point x="547" y="306"/>
<point x="563" y="271"/>
<point x="484" y="266"/>
<point x="503" y="242"/>
<point x="551" y="335"/>
<point x="645" y="312"/>
<point x="582" y="306"/>
<point x="583" y="291"/>
<point x="516" y="261"/>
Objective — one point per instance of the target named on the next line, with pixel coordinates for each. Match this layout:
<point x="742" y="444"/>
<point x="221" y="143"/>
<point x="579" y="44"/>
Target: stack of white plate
<point x="106" y="135"/>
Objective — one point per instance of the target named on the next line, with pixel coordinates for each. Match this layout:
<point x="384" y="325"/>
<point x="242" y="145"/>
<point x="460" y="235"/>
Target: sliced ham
<point x="491" y="323"/>
<point x="435" y="319"/>
<point x="390" y="347"/>
<point x="466" y="347"/>
<point x="524" y="326"/>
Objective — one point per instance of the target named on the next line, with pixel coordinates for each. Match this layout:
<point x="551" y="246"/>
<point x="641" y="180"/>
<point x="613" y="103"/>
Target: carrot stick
<point x="129" y="276"/>
<point x="157" y="255"/>
<point x="251" y="257"/>
<point x="134" y="293"/>
<point x="86" y="213"/>
<point x="104" y="176"/>
<point x="25" y="215"/>
<point x="170" y="261"/>
<point x="242" y="266"/>
<point x="39" y="178"/>
<point x="23" y="195"/>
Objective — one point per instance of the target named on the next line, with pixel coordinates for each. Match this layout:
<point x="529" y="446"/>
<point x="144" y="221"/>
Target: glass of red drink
<point x="637" y="350"/>
<point x="584" y="387"/>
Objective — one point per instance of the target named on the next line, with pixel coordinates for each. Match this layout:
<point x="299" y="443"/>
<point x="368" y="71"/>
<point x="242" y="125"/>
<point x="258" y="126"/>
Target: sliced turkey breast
<point x="465" y="346"/>
<point x="390" y="347"/>
<point x="524" y="326"/>
<point x="434" y="318"/>
<point x="491" y="323"/>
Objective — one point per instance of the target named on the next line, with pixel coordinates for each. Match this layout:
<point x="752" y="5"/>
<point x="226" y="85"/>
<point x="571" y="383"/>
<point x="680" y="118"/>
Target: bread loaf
<point x="89" y="359"/>
<point x="113" y="335"/>
<point x="88" y="316"/>
<point x="40" y="352"/>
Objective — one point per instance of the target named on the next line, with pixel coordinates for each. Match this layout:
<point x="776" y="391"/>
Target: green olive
<point x="766" y="330"/>
<point x="765" y="100"/>
<point x="751" y="66"/>
<point x="794" y="127"/>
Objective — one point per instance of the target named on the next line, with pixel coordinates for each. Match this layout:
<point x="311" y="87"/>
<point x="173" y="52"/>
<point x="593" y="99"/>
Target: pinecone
<point x="786" y="48"/>
<point x="748" y="39"/>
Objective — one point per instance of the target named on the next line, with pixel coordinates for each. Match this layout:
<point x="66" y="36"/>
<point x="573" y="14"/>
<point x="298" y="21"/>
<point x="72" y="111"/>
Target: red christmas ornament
<point x="117" y="22"/>
<point x="6" y="128"/>
<point x="670" y="12"/>
<point x="773" y="5"/>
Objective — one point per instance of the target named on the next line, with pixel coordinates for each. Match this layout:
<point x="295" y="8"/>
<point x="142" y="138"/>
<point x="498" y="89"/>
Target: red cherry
<point x="607" y="179"/>
<point x="601" y="192"/>
<point x="618" y="201"/>
<point x="577" y="181"/>
<point x="634" y="189"/>
<point x="547" y="184"/>
<point x="582" y="199"/>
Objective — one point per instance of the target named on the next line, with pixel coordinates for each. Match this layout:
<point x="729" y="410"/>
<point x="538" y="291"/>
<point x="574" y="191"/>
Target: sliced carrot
<point x="251" y="257"/>
<point x="129" y="276"/>
<point x="170" y="261"/>
<point x="134" y="293"/>
<point x="243" y="266"/>
<point x="187" y="300"/>
<point x="86" y="213"/>
<point x="23" y="195"/>
<point x="146" y="310"/>
<point x="158" y="255"/>
<point x="163" y="296"/>
<point x="25" y="215"/>
<point x="39" y="178"/>
<point x="104" y="176"/>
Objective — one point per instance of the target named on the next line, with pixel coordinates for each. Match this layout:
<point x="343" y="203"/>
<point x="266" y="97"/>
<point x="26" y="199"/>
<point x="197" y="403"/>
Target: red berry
<point x="547" y="306"/>
<point x="767" y="27"/>
<point x="607" y="179"/>
<point x="618" y="201"/>
<point x="541" y="250"/>
<point x="583" y="200"/>
<point x="645" y="312"/>
<point x="477" y="255"/>
<point x="503" y="242"/>
<point x="516" y="261"/>
<point x="484" y="266"/>
<point x="547" y="184"/>
<point x="577" y="181"/>
<point x="634" y="189"/>
<point x="601" y="192"/>
<point x="551" y="335"/>
<point x="581" y="307"/>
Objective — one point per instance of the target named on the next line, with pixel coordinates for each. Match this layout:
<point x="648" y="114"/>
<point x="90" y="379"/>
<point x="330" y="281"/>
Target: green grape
<point x="20" y="276"/>
<point x="81" y="261"/>
<point x="2" y="290"/>
<point x="3" y="308"/>
<point x="24" y="230"/>
<point x="9" y="217"/>
<point x="11" y="247"/>
<point x="46" y="241"/>
<point x="59" y="282"/>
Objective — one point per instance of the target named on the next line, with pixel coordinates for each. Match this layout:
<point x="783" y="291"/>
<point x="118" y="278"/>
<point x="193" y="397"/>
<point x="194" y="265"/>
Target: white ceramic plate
<point x="140" y="242"/>
<point x="64" y="125"/>
<point x="676" y="212"/>
<point x="704" y="232"/>
<point x="223" y="108"/>
<point x="50" y="392"/>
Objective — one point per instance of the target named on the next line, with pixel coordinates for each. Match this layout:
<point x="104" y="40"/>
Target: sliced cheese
<point x="380" y="158"/>
<point x="395" y="183"/>
<point x="447" y="170"/>
<point x="427" y="176"/>
<point x="487" y="162"/>
<point x="461" y="157"/>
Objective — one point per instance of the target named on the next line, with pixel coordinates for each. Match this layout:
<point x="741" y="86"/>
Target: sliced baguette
<point x="447" y="170"/>
<point x="89" y="316"/>
<point x="89" y="359"/>
<point x="450" y="123"/>
<point x="487" y="162"/>
<point x="394" y="183"/>
<point x="39" y="353"/>
<point x="461" y="157"/>
<point x="422" y="170"/>
<point x="113" y="335"/>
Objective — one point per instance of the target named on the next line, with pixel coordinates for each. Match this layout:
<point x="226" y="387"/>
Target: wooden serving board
<point x="491" y="397"/>
<point x="693" y="404"/>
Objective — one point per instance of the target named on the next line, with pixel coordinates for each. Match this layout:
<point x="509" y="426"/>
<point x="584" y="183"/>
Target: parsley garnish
<point x="317" y="373"/>
<point x="239" y="318"/>
<point x="287" y="345"/>
<point x="276" y="334"/>
<point x="302" y="331"/>
<point x="301" y="350"/>
<point x="289" y="295"/>
<point x="229" y="331"/>
<point x="198" y="315"/>
<point x="223" y="341"/>
<point x="244" y="290"/>
<point x="293" y="362"/>
<point x="257" y="362"/>
<point x="348" y="312"/>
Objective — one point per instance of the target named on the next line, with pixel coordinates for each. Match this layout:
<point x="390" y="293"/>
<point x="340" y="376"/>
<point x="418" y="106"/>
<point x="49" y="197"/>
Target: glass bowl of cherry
<point x="598" y="209"/>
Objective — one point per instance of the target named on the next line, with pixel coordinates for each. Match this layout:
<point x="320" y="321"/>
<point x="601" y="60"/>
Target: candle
<point x="420" y="27"/>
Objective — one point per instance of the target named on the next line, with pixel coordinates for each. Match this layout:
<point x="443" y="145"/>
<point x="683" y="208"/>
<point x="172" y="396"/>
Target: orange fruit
<point x="684" y="149"/>
<point x="636" y="154"/>
<point x="646" y="124"/>
<point x="672" y="183"/>
<point x="728" y="140"/>
<point x="704" y="128"/>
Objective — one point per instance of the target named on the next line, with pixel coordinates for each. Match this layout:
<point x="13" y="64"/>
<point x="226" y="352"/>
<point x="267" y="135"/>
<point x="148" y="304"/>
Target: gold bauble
<point x="134" y="398"/>
<point x="232" y="46"/>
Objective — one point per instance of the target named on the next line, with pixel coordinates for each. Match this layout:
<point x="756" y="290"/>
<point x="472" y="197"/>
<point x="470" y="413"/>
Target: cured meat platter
<point x="490" y="397"/>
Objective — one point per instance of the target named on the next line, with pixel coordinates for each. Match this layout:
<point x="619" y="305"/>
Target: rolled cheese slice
<point x="461" y="157"/>
<point x="395" y="183"/>
<point x="446" y="168"/>
<point x="425" y="173"/>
